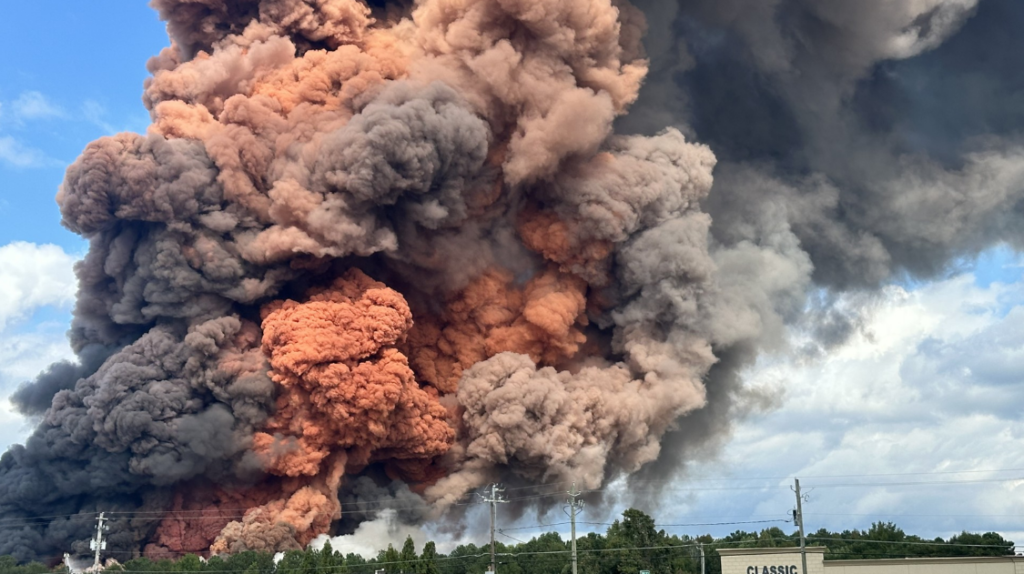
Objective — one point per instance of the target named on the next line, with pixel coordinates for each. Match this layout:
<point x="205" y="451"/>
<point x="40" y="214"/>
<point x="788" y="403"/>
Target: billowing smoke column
<point x="405" y="244"/>
<point x="348" y="241"/>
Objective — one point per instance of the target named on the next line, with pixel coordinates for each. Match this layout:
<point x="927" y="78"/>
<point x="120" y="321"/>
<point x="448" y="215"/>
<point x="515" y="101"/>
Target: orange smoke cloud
<point x="302" y="511"/>
<point x="253" y="98"/>
<point x="344" y="384"/>
<point x="561" y="242"/>
<point x="491" y="316"/>
<point x="347" y="398"/>
<point x="195" y="520"/>
<point x="557" y="93"/>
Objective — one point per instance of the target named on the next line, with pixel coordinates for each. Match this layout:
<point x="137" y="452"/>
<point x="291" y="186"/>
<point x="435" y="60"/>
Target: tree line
<point x="629" y="545"/>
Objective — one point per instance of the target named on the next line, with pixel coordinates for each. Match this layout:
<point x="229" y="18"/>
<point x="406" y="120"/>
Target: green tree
<point x="291" y="562"/>
<point x="188" y="563"/>
<point x="588" y="547"/>
<point x="310" y="561"/>
<point x="987" y="544"/>
<point x="465" y="559"/>
<point x="636" y="529"/>
<point x="9" y="565"/>
<point x="544" y="554"/>
<point x="141" y="564"/>
<point x="250" y="562"/>
<point x="428" y="559"/>
<point x="408" y="556"/>
<point x="215" y="564"/>
<point x="885" y="531"/>
<point x="634" y="532"/>
<point x="330" y="562"/>
<point x="356" y="564"/>
<point x="391" y="560"/>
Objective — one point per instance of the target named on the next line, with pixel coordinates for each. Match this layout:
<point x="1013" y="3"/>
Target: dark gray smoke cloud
<point x="364" y="498"/>
<point x="33" y="398"/>
<point x="163" y="241"/>
<point x="857" y="142"/>
<point x="866" y="126"/>
<point x="174" y="405"/>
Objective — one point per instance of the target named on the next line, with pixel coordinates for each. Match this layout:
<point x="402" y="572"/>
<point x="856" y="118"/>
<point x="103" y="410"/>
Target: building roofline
<point x="933" y="560"/>
<point x="757" y="551"/>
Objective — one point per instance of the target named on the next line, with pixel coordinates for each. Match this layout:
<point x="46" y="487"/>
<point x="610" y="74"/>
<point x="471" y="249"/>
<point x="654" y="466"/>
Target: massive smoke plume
<point x="422" y="245"/>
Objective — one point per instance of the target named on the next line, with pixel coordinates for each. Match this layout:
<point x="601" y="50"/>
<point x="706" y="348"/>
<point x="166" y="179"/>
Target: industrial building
<point x="788" y="561"/>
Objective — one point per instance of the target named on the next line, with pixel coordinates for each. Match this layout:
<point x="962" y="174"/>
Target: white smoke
<point x="373" y="535"/>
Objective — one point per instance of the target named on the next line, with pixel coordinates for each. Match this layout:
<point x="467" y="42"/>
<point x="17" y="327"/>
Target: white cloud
<point x="17" y="154"/>
<point x="28" y="106"/>
<point x="35" y="106"/>
<point x="931" y="383"/>
<point x="22" y="357"/>
<point x="33" y="276"/>
<point x="25" y="355"/>
<point x="96" y="114"/>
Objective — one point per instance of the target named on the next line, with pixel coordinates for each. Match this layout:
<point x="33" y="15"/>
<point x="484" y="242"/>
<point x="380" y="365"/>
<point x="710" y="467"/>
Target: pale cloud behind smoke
<point x="37" y="287"/>
<point x="15" y="151"/>
<point x="33" y="105"/>
<point x="929" y="383"/>
<point x="16" y="154"/>
<point x="33" y="276"/>
<point x="22" y="118"/>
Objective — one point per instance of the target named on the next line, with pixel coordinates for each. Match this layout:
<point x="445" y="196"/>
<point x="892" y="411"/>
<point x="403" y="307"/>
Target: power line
<point x="613" y="549"/>
<point x="920" y="483"/>
<point x="388" y="503"/>
<point x="787" y="477"/>
<point x="39" y="520"/>
<point x="726" y="523"/>
<point x="30" y="520"/>
<point x="827" y="485"/>
<point x="656" y="524"/>
<point x="912" y="543"/>
<point x="502" y="532"/>
<point x="915" y="515"/>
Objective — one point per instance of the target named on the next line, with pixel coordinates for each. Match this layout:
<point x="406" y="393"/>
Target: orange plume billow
<point x="347" y="398"/>
<point x="491" y="315"/>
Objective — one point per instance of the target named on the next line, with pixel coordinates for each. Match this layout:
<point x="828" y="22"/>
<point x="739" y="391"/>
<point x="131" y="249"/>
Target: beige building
<point x="787" y="561"/>
<point x="771" y="560"/>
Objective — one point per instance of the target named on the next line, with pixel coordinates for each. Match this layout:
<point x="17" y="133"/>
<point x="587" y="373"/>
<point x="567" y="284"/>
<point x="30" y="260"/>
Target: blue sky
<point x="62" y="87"/>
<point x="946" y="351"/>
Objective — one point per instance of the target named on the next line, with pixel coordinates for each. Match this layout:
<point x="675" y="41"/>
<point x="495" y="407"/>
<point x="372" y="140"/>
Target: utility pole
<point x="574" y="507"/>
<point x="798" y="516"/>
<point x="98" y="543"/>
<point x="493" y="501"/>
<point x="701" y="558"/>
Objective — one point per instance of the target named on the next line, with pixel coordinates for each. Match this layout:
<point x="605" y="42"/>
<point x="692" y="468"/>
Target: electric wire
<point x="388" y="503"/>
<point x="604" y="550"/>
